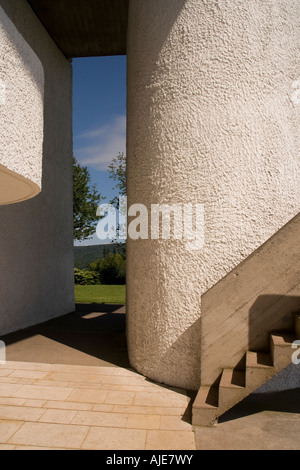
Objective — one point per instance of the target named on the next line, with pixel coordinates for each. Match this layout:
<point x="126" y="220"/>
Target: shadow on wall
<point x="188" y="341"/>
<point x="37" y="237"/>
<point x="271" y="313"/>
<point x="164" y="18"/>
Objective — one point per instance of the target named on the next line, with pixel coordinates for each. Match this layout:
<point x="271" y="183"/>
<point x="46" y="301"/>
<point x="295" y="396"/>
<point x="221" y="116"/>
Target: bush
<point x="84" y="277"/>
<point x="111" y="269"/>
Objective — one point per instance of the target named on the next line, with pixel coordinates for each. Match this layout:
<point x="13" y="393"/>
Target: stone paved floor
<point x="68" y="385"/>
<point x="57" y="406"/>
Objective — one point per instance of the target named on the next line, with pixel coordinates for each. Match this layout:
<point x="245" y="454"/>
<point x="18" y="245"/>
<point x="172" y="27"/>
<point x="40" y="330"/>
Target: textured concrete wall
<point x="21" y="113"/>
<point x="36" y="247"/>
<point x="212" y="119"/>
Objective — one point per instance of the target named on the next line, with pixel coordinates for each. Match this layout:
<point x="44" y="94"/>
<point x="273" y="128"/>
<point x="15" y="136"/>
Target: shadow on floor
<point x="286" y="401"/>
<point x="95" y="334"/>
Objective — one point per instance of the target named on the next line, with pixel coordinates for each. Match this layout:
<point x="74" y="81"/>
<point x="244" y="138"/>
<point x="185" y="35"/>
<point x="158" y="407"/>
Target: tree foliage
<point x="84" y="277"/>
<point x="111" y="269"/>
<point x="117" y="171"/>
<point x="86" y="199"/>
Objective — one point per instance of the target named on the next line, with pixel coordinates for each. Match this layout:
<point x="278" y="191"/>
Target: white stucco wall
<point x="212" y="119"/>
<point x="21" y="115"/>
<point x="36" y="237"/>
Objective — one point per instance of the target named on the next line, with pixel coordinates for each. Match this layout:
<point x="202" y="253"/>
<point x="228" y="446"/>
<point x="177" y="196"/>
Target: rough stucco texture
<point x="211" y="120"/>
<point x="36" y="238"/>
<point x="21" y="109"/>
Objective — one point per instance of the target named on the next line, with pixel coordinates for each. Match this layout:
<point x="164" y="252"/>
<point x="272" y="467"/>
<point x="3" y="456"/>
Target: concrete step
<point x="205" y="406"/>
<point x="281" y="349"/>
<point x="259" y="369"/>
<point x="235" y="385"/>
<point x="232" y="389"/>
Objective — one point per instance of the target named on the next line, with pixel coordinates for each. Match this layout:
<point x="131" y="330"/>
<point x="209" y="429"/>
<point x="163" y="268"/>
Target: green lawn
<point x="100" y="294"/>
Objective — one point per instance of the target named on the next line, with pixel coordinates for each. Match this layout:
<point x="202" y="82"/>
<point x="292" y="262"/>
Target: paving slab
<point x="64" y="415"/>
<point x="84" y="395"/>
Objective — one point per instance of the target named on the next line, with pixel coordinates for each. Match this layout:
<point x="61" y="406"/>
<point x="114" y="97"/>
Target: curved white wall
<point x="21" y="115"/>
<point x="36" y="236"/>
<point x="211" y="120"/>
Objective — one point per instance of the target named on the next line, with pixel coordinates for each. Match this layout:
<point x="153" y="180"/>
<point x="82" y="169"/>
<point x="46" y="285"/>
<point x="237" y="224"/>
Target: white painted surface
<point x="36" y="254"/>
<point x="211" y="120"/>
<point x="21" y="115"/>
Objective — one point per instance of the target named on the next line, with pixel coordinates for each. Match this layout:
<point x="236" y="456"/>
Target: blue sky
<point x="99" y="118"/>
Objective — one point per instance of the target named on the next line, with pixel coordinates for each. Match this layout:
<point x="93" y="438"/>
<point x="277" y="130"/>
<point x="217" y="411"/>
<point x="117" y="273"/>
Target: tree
<point x="86" y="200"/>
<point x="117" y="171"/>
<point x="111" y="269"/>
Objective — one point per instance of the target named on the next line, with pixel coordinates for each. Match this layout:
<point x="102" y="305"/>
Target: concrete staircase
<point x="235" y="384"/>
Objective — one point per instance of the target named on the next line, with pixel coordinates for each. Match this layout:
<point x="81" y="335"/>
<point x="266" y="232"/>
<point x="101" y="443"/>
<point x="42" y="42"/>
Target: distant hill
<point x="85" y="255"/>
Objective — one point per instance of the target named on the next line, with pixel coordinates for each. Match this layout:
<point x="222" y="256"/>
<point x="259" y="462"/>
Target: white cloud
<point x="99" y="146"/>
